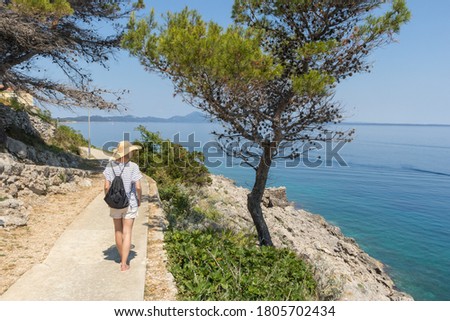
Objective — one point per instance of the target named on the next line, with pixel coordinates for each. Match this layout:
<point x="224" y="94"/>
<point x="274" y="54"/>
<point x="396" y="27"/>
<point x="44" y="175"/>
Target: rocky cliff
<point x="343" y="270"/>
<point x="25" y="135"/>
<point x="29" y="168"/>
<point x="28" y="122"/>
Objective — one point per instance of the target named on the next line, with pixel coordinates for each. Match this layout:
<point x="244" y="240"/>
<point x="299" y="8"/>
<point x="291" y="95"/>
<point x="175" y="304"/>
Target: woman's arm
<point x="138" y="192"/>
<point x="106" y="186"/>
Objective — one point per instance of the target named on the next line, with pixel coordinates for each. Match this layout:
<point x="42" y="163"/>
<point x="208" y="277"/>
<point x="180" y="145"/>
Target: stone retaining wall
<point x="19" y="179"/>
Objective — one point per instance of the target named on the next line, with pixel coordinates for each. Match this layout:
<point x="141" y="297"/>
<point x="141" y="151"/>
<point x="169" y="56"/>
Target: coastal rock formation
<point x="343" y="270"/>
<point x="276" y="197"/>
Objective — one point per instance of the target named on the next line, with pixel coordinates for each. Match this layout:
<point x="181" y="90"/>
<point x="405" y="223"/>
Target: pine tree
<point x="270" y="76"/>
<point x="62" y="33"/>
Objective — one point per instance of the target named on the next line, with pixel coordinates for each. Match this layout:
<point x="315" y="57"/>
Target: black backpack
<point x="116" y="197"/>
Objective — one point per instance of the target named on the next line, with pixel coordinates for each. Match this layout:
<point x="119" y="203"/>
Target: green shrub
<point x="169" y="163"/>
<point x="177" y="204"/>
<point x="175" y="170"/>
<point x="167" y="192"/>
<point x="208" y="212"/>
<point x="68" y="139"/>
<point x="224" y="266"/>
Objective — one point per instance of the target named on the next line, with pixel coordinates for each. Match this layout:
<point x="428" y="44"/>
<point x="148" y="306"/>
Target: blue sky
<point x="409" y="82"/>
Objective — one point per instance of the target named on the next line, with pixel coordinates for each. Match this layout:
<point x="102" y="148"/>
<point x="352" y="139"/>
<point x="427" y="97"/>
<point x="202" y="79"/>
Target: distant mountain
<point x="194" y="117"/>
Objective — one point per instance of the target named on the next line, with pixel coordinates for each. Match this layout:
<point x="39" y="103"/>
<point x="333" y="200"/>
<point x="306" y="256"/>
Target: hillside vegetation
<point x="208" y="260"/>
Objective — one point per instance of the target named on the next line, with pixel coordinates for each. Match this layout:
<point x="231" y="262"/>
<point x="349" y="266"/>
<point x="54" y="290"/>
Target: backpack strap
<point x="112" y="167"/>
<point x="123" y="168"/>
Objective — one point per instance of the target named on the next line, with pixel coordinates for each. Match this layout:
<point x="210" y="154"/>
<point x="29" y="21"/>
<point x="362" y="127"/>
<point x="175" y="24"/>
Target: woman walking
<point x="124" y="218"/>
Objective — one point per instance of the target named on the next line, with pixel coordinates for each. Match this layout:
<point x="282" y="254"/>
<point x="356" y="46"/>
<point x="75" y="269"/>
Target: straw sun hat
<point x="124" y="148"/>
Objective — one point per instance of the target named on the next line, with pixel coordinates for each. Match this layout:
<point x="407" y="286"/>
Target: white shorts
<point x="126" y="213"/>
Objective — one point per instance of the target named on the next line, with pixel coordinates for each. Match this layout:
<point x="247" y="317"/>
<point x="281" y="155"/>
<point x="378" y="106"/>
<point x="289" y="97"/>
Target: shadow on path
<point x="111" y="254"/>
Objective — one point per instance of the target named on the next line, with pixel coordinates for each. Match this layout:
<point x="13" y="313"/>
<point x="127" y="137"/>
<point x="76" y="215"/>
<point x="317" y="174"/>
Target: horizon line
<point x="394" y="124"/>
<point x="344" y="122"/>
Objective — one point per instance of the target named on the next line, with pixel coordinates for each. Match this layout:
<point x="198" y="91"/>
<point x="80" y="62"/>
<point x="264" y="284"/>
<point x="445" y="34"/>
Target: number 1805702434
<point x="295" y="310"/>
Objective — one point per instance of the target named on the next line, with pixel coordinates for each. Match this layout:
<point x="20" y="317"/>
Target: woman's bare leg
<point x="118" y="234"/>
<point x="126" y="244"/>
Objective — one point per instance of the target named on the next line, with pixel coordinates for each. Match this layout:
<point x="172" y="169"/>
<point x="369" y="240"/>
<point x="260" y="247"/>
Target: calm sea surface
<point x="393" y="196"/>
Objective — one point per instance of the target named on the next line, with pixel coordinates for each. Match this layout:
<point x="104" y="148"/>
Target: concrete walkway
<point x="83" y="265"/>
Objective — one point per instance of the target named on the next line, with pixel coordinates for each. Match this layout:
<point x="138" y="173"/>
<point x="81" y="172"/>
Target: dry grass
<point x="23" y="247"/>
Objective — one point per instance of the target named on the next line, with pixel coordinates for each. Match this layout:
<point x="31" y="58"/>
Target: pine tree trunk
<point x="255" y="197"/>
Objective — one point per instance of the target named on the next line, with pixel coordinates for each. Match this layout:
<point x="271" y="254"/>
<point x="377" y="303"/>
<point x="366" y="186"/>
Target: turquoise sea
<point x="393" y="196"/>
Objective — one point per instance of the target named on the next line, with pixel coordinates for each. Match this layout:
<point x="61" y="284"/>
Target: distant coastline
<point x="198" y="117"/>
<point x="195" y="117"/>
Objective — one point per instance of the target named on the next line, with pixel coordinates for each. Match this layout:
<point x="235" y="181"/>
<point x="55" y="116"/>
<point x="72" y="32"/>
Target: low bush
<point x="225" y="266"/>
<point x="177" y="204"/>
<point x="68" y="139"/>
<point x="208" y="212"/>
<point x="169" y="163"/>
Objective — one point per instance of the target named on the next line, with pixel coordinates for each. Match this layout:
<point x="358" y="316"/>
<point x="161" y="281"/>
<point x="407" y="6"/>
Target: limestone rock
<point x="13" y="213"/>
<point x="275" y="196"/>
<point x="29" y="123"/>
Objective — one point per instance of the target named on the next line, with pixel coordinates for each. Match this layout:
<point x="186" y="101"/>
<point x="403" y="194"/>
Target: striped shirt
<point x="130" y="175"/>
